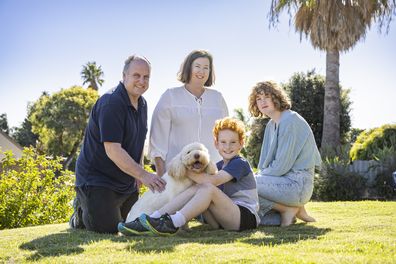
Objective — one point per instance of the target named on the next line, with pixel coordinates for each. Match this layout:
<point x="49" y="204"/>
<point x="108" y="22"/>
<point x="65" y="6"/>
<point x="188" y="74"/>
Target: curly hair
<point x="231" y="124"/>
<point x="184" y="74"/>
<point x="278" y="95"/>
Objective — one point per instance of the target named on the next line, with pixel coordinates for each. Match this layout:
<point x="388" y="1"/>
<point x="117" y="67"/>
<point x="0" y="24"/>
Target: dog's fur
<point x="195" y="157"/>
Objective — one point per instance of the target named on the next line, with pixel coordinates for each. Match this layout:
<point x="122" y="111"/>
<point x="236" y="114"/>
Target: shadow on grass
<point x="72" y="241"/>
<point x="263" y="236"/>
<point x="65" y="243"/>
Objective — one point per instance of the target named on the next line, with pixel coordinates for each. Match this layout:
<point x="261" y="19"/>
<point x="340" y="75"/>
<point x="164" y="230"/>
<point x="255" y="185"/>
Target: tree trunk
<point x="94" y="85"/>
<point x="69" y="159"/>
<point x="73" y="152"/>
<point x="331" y="115"/>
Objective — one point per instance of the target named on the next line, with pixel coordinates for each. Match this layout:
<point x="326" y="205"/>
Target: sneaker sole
<point x="147" y="225"/>
<point x="131" y="232"/>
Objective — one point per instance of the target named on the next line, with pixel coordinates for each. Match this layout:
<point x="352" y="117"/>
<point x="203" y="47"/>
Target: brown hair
<point x="184" y="74"/>
<point x="231" y="124"/>
<point x="278" y="95"/>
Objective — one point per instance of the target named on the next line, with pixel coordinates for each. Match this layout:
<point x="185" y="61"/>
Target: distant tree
<point x="241" y="115"/>
<point x="255" y="139"/>
<point x="92" y="74"/>
<point x="307" y="92"/>
<point x="4" y="124"/>
<point x="60" y="120"/>
<point x="353" y="134"/>
<point x="334" y="26"/>
<point x="24" y="135"/>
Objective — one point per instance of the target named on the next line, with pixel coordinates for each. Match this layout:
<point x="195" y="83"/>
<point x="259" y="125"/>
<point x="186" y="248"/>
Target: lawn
<point x="346" y="232"/>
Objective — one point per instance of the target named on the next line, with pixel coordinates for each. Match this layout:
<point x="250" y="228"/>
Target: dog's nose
<point x="196" y="156"/>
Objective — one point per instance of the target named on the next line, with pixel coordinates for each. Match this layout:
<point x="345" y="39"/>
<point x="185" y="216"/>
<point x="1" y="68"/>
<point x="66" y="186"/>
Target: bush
<point x="34" y="190"/>
<point x="370" y="143"/>
<point x="384" y="183"/>
<point x="335" y="182"/>
<point x="254" y="141"/>
<point x="144" y="188"/>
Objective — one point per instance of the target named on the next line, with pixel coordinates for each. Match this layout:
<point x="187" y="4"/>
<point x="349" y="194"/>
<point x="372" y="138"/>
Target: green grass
<point x="346" y="232"/>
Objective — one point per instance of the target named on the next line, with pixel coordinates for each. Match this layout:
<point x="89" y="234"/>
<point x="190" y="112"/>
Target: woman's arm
<point x="159" y="166"/>
<point x="160" y="131"/>
<point x="290" y="143"/>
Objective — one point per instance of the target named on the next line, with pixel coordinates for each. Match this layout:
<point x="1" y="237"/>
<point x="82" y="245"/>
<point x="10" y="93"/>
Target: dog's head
<point x="195" y="157"/>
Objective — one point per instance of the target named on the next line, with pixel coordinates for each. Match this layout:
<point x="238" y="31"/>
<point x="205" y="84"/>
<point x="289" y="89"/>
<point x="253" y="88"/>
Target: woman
<point x="187" y="113"/>
<point x="288" y="155"/>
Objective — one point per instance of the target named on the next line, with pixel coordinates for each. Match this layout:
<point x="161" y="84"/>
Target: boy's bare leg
<point x="209" y="218"/>
<point x="221" y="207"/>
<point x="179" y="201"/>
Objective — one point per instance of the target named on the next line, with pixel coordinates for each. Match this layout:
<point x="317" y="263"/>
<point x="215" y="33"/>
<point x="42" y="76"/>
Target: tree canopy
<point x="92" y="74"/>
<point x="4" y="123"/>
<point x="334" y="26"/>
<point x="60" y="120"/>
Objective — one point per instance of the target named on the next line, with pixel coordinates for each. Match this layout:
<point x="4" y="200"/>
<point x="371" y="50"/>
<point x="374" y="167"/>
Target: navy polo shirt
<point x="112" y="119"/>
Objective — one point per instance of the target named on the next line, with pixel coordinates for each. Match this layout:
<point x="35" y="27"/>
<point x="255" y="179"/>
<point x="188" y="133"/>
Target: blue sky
<point x="44" y="43"/>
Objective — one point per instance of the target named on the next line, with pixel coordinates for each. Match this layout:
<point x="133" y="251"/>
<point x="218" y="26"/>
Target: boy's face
<point x="228" y="144"/>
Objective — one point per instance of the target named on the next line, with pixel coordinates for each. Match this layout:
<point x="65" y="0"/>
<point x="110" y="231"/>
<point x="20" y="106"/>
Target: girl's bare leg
<point x="303" y="215"/>
<point x="287" y="213"/>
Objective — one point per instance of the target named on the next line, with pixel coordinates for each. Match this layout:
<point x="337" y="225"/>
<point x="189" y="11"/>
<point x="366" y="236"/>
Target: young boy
<point x="227" y="199"/>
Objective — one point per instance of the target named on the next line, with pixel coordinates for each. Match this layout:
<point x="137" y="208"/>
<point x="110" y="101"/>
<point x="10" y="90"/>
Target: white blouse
<point x="180" y="118"/>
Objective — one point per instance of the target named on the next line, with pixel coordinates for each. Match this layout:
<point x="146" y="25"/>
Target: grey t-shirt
<point x="242" y="188"/>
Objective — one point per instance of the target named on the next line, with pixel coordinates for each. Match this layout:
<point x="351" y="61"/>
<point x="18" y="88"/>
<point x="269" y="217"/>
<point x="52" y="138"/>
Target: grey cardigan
<point x="290" y="146"/>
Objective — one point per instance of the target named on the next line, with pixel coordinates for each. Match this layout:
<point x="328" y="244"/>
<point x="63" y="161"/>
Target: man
<point x="107" y="168"/>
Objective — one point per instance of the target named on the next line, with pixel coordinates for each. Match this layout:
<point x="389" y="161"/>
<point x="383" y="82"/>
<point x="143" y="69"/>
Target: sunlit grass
<point x="346" y="232"/>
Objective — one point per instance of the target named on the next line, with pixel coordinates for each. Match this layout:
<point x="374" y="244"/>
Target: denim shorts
<point x="292" y="189"/>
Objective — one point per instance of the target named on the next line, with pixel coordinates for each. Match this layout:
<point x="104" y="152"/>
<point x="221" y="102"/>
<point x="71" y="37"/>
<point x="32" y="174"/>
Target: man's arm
<point x="122" y="159"/>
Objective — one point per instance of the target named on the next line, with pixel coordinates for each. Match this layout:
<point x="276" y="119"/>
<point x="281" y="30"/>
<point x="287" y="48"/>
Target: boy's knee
<point x="207" y="187"/>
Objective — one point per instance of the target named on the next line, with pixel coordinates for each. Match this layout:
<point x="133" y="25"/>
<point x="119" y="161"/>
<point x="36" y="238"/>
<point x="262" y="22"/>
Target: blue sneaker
<point x="162" y="226"/>
<point x="134" y="228"/>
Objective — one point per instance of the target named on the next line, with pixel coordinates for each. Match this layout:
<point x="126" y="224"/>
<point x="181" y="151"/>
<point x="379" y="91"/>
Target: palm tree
<point x="334" y="26"/>
<point x="92" y="74"/>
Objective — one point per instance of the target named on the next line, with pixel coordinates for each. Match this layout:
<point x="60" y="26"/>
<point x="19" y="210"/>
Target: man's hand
<point x="153" y="182"/>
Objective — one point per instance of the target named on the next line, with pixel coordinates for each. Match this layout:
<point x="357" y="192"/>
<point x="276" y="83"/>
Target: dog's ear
<point x="176" y="168"/>
<point x="211" y="168"/>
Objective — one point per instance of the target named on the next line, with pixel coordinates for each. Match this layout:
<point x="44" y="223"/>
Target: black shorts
<point x="248" y="220"/>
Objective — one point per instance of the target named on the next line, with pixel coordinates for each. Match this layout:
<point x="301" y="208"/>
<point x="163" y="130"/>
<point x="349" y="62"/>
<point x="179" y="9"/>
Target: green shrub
<point x="144" y="188"/>
<point x="335" y="182"/>
<point x="370" y="143"/>
<point x="34" y="190"/>
<point x="383" y="184"/>
<point x="254" y="140"/>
